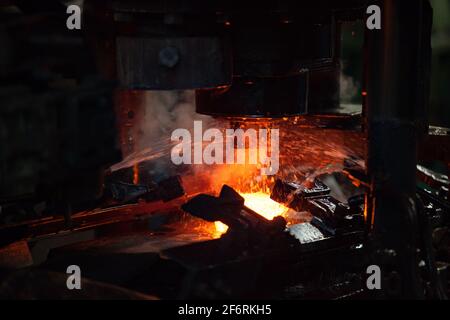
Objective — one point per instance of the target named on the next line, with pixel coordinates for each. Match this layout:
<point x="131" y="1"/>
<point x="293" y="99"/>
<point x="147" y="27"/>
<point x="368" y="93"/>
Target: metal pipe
<point x="397" y="81"/>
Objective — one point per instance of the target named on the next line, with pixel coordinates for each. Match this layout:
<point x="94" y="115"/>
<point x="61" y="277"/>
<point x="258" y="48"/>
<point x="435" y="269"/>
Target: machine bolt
<point x="169" y="57"/>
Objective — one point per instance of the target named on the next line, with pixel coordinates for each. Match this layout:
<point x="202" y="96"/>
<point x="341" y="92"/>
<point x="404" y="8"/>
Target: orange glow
<point x="135" y="174"/>
<point x="251" y="185"/>
<point x="221" y="228"/>
<point x="305" y="153"/>
<point x="262" y="204"/>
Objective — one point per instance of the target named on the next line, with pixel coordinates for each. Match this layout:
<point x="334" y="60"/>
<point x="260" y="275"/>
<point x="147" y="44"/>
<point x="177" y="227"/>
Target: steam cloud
<point x="349" y="87"/>
<point x="159" y="113"/>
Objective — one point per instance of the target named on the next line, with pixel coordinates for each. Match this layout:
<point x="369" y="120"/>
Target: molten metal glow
<point x="262" y="204"/>
<point x="304" y="155"/>
<point x="221" y="228"/>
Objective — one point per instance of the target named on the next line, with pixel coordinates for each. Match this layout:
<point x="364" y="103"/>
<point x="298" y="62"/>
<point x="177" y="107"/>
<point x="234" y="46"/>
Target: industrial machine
<point x="355" y="188"/>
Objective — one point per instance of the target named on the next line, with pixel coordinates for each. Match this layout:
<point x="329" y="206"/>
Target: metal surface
<point x="243" y="222"/>
<point x="169" y="63"/>
<point x="277" y="59"/>
<point x="166" y="190"/>
<point x="257" y="97"/>
<point x="330" y="216"/>
<point x="397" y="74"/>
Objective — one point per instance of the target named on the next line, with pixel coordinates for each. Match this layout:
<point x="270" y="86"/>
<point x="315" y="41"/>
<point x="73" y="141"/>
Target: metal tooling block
<point x="328" y="213"/>
<point x="229" y="208"/>
<point x="166" y="190"/>
<point x="294" y="194"/>
<point x="305" y="232"/>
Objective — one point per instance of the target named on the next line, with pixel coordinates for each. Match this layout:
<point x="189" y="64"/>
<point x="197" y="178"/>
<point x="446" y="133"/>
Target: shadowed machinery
<point x="349" y="123"/>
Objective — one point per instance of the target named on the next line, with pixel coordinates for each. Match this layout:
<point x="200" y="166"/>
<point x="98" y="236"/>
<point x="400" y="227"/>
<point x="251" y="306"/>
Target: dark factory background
<point x="51" y="131"/>
<point x="45" y="66"/>
<point x="66" y="148"/>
